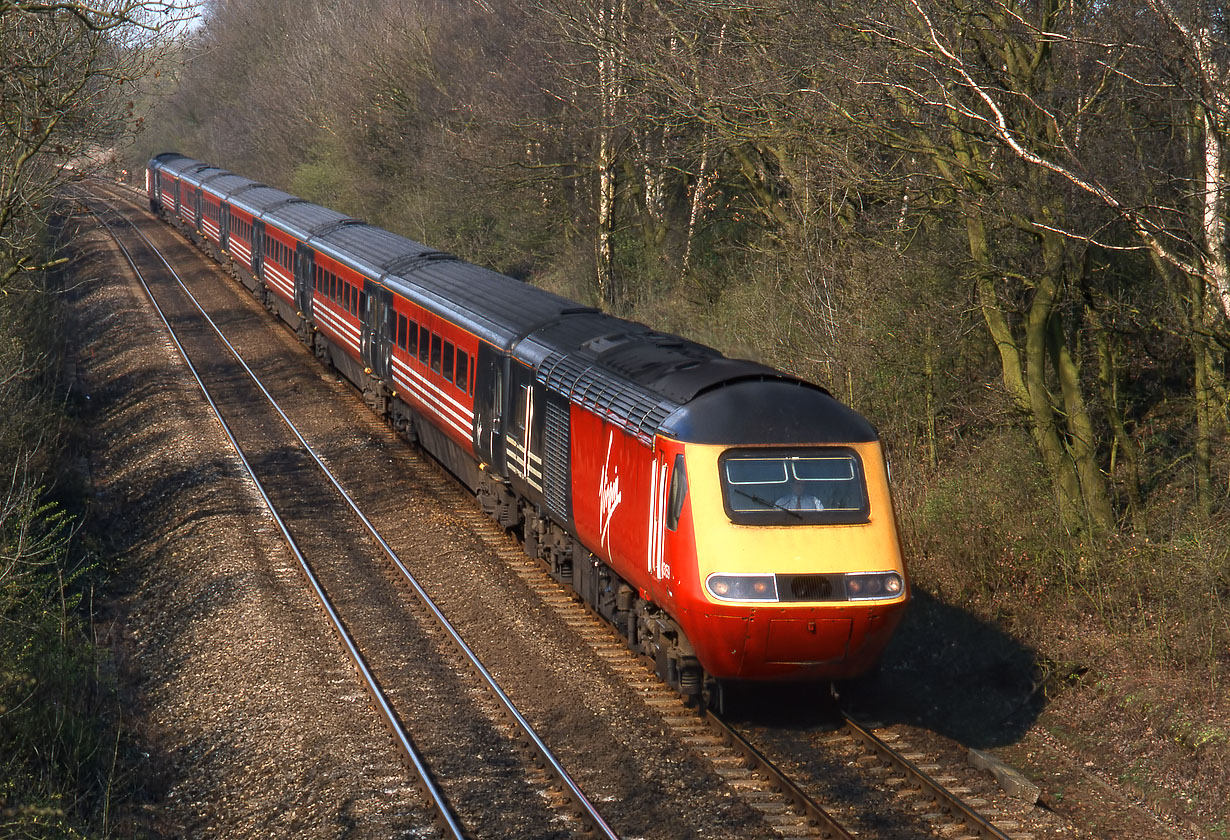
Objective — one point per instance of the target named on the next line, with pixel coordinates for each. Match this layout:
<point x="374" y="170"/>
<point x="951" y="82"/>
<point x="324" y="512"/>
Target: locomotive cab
<point x="786" y="562"/>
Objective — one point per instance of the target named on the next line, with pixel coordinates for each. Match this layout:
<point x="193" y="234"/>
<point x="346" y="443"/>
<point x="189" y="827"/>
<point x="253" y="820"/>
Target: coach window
<point x="401" y="331"/>
<point x="450" y="355"/>
<point x="463" y="370"/>
<point x="412" y="339"/>
<point x="362" y="310"/>
<point x="435" y="352"/>
<point x="333" y="287"/>
<point x="424" y="340"/>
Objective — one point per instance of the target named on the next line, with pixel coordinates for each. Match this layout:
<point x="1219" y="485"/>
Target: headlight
<point x="742" y="587"/>
<point x="873" y="585"/>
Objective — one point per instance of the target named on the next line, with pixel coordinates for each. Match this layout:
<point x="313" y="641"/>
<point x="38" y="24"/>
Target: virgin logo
<point x="609" y="496"/>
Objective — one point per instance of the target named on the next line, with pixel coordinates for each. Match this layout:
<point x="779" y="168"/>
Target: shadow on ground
<point x="945" y="670"/>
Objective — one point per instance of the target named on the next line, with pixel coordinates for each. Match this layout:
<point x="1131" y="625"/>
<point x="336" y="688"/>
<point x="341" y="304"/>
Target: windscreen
<point x="799" y="486"/>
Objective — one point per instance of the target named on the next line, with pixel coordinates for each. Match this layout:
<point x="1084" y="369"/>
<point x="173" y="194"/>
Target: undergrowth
<point x="56" y="746"/>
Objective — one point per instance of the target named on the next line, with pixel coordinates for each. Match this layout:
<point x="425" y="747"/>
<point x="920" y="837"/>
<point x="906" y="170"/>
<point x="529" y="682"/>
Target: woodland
<point x="998" y="228"/>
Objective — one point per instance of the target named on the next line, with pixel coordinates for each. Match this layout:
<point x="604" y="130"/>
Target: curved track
<point x="284" y="475"/>
<point x="783" y="805"/>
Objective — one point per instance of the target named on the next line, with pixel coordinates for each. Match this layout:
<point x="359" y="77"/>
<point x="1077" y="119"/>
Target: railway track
<point x="922" y="805"/>
<point x="542" y="796"/>
<point x="922" y="802"/>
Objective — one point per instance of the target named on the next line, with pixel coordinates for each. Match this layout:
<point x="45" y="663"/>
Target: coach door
<point x="376" y="329"/>
<point x="224" y="227"/>
<point x="523" y="435"/>
<point x="196" y="205"/>
<point x="304" y="264"/>
<point x="258" y="248"/>
<point x="490" y="405"/>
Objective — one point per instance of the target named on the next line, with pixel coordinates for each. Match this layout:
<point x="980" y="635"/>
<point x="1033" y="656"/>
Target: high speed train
<point x="732" y="521"/>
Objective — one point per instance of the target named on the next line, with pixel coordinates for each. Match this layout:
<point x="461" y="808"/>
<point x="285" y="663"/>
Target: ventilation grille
<point x="613" y="398"/>
<point x="555" y="459"/>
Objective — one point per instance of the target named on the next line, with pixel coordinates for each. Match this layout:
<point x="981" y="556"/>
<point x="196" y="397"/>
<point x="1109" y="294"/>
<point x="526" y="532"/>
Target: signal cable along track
<point x="298" y="509"/>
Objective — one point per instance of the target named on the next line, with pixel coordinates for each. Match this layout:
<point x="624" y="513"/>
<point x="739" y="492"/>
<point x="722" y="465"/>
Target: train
<point x="734" y="523"/>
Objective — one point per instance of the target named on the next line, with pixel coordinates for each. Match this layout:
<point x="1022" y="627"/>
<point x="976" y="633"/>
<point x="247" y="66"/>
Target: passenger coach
<point x="732" y="521"/>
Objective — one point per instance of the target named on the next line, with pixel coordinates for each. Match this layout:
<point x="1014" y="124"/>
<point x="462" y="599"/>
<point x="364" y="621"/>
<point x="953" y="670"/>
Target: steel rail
<point x="824" y="822"/>
<point x="595" y="823"/>
<point x="943" y="798"/>
<point x="443" y="809"/>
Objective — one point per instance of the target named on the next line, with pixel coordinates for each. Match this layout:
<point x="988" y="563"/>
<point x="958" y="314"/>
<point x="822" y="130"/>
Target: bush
<point x="55" y="757"/>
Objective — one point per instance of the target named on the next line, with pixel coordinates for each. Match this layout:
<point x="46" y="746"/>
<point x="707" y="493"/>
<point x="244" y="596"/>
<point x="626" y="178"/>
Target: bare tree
<point x="67" y="75"/>
<point x="1058" y="91"/>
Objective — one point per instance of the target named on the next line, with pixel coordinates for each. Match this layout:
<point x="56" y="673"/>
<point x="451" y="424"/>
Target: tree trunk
<point x="609" y="13"/>
<point x="1108" y="384"/>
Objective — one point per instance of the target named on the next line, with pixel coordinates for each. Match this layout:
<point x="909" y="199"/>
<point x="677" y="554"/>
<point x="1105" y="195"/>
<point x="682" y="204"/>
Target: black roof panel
<point x="737" y="412"/>
<point x="371" y="249"/>
<point x="175" y="163"/>
<point x="303" y="218"/>
<point x="260" y="199"/>
<point x="225" y="184"/>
